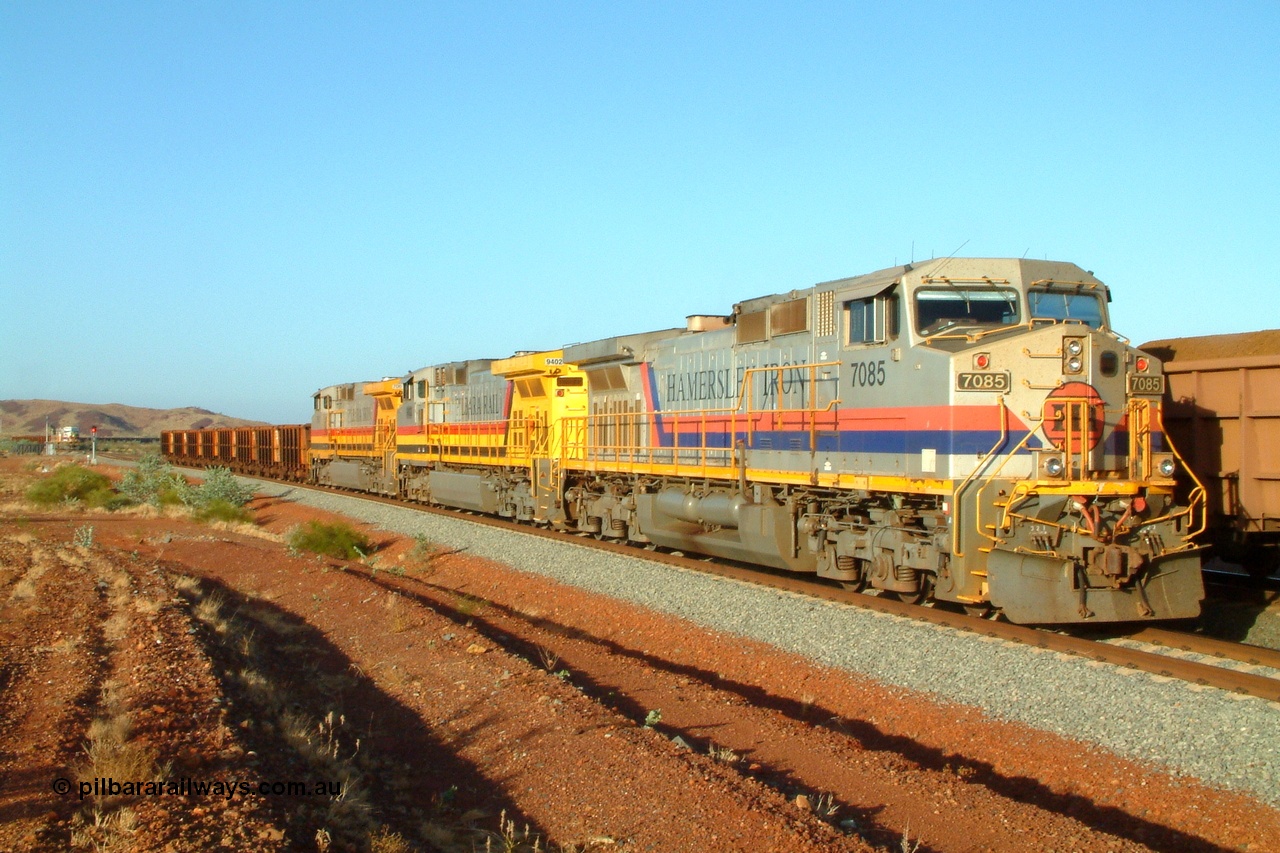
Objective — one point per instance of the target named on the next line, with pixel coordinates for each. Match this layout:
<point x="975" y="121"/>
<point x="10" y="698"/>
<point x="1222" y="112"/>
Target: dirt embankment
<point x="428" y="700"/>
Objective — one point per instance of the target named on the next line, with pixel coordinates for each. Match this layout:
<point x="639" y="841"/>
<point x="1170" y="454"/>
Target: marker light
<point x="1072" y="355"/>
<point x="1142" y="364"/>
<point x="982" y="361"/>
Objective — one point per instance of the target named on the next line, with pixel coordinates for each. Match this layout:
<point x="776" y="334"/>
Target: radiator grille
<point x="824" y="323"/>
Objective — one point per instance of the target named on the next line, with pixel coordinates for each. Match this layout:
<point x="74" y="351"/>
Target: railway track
<point x="1234" y="667"/>
<point x="1162" y="652"/>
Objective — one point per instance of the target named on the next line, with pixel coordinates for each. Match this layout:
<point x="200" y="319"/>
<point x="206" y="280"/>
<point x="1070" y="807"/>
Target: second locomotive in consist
<point x="970" y="430"/>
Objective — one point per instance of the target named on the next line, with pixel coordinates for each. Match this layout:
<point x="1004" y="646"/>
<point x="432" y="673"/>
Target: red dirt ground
<point x="444" y="703"/>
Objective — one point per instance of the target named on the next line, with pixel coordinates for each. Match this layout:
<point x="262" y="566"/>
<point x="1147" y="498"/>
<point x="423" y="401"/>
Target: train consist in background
<point x="970" y="430"/>
<point x="1223" y="412"/>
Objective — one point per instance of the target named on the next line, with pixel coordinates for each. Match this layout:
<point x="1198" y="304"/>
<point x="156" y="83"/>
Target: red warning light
<point x="982" y="361"/>
<point x="1142" y="364"/>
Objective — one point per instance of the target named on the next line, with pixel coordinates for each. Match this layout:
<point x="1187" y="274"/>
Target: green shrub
<point x="332" y="540"/>
<point x="73" y="483"/>
<point x="108" y="499"/>
<point x="153" y="482"/>
<point x="221" y="510"/>
<point x="219" y="485"/>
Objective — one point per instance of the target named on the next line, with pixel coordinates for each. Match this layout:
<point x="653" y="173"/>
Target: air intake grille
<point x="824" y="324"/>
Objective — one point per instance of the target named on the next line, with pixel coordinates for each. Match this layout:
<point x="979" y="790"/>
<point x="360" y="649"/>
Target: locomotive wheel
<point x="921" y="595"/>
<point x="854" y="586"/>
<point x="978" y="611"/>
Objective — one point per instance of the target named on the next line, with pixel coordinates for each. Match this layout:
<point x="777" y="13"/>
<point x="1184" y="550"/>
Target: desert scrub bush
<point x="83" y="537"/>
<point x="221" y="510"/>
<point x="75" y="484"/>
<point x="153" y="482"/>
<point x="219" y="485"/>
<point x="338" y="540"/>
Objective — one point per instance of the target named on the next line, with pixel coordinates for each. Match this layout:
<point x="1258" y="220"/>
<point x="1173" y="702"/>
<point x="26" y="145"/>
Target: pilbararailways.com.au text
<point x="189" y="787"/>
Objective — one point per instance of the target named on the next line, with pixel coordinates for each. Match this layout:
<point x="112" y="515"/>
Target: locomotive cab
<point x="1069" y="515"/>
<point x="353" y="429"/>
<point x="964" y="429"/>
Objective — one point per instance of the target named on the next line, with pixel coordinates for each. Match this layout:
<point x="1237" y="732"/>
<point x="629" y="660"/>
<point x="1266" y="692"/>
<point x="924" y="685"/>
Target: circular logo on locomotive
<point x="1075" y="411"/>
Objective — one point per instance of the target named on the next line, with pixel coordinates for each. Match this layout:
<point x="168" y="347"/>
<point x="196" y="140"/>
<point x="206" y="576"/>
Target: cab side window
<point x="871" y="321"/>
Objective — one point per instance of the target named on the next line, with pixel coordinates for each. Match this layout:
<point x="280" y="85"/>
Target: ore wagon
<point x="1222" y="410"/>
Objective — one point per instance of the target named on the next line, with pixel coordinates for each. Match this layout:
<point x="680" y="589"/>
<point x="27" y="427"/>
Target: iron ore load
<point x="966" y="430"/>
<point x="1223" y="409"/>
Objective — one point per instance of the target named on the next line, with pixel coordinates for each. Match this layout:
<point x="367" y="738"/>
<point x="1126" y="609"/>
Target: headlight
<point x="1072" y="355"/>
<point x="1166" y="467"/>
<point x="1053" y="466"/>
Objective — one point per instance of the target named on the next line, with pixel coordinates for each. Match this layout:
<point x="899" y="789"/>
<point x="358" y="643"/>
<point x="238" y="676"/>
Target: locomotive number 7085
<point x="867" y="372"/>
<point x="982" y="381"/>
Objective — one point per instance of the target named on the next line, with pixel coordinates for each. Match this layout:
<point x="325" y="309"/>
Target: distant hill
<point x="28" y="417"/>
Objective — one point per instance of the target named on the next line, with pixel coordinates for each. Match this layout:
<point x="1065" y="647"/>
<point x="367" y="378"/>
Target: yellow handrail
<point x="955" y="521"/>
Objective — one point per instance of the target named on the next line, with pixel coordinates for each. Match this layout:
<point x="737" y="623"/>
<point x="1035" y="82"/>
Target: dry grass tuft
<point x="23" y="590"/>
<point x="185" y="584"/>
<point x="109" y="752"/>
<point x="386" y="841"/>
<point x="723" y="754"/>
<point x="398" y="617"/>
<point x="246" y="528"/>
<point x="209" y="611"/>
<point x="104" y="831"/>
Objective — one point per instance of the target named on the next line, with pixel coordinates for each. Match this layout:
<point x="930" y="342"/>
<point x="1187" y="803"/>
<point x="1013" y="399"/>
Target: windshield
<point x="1060" y="305"/>
<point x="942" y="308"/>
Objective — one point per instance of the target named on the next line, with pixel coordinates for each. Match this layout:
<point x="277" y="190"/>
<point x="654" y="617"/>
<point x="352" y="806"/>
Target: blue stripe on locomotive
<point x="901" y="441"/>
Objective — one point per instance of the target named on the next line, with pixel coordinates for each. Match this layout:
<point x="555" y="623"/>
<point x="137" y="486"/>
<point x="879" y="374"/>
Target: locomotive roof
<point x="1018" y="271"/>
<point x="470" y="364"/>
<point x="358" y="385"/>
<point x="620" y="348"/>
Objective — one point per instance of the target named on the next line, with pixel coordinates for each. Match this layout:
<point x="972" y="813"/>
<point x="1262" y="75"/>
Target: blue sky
<point x="230" y="205"/>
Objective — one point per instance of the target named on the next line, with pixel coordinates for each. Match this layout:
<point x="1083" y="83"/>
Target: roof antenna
<point x="950" y="257"/>
<point x="1024" y="254"/>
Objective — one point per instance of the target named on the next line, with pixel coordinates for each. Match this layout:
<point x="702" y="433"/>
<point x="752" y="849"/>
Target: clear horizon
<point x="231" y="205"/>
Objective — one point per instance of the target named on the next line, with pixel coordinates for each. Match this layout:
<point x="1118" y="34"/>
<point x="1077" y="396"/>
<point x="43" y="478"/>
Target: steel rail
<point x="1194" y="672"/>
<point x="1166" y="666"/>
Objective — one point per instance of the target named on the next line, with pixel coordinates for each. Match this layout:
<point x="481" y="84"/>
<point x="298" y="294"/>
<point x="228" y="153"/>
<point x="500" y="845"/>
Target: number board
<point x="982" y="382"/>
<point x="1139" y="384"/>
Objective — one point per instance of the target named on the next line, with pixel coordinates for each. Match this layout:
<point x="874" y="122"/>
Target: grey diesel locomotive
<point x="966" y="429"/>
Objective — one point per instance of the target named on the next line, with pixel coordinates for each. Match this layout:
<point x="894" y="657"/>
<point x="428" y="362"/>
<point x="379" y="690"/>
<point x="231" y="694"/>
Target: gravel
<point x="1207" y="733"/>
